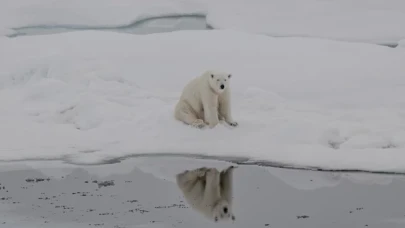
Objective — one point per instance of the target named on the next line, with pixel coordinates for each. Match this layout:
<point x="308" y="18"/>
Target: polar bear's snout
<point x="222" y="86"/>
<point x="225" y="210"/>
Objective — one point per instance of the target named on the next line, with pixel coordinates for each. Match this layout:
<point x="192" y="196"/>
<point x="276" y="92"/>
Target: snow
<point x="372" y="21"/>
<point x="91" y="96"/>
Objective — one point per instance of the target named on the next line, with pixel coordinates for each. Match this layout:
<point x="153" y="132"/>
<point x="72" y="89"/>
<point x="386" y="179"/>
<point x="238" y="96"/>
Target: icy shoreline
<point x="90" y="96"/>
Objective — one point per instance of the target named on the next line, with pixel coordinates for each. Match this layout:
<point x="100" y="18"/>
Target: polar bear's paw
<point x="198" y="124"/>
<point x="234" y="124"/>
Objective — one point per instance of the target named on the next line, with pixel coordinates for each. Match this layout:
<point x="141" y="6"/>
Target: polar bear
<point x="208" y="191"/>
<point x="206" y="100"/>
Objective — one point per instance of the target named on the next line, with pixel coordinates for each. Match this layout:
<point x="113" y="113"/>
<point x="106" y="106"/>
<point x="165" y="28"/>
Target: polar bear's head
<point x="222" y="211"/>
<point x="219" y="81"/>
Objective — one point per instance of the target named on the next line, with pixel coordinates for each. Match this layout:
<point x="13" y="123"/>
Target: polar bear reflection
<point x="208" y="191"/>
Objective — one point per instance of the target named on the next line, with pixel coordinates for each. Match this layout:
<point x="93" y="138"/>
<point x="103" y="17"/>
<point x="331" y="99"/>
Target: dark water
<point x="150" y="25"/>
<point x="146" y="26"/>
<point x="141" y="192"/>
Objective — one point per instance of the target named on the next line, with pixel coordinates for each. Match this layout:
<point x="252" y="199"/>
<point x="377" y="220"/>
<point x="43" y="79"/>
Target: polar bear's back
<point x="191" y="94"/>
<point x="193" y="188"/>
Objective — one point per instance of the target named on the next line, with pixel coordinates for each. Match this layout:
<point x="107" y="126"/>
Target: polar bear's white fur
<point x="208" y="191"/>
<point x="206" y="100"/>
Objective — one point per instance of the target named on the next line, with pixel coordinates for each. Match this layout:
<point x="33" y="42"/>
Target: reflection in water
<point x="308" y="180"/>
<point x="208" y="191"/>
<point x="311" y="180"/>
<point x="143" y="192"/>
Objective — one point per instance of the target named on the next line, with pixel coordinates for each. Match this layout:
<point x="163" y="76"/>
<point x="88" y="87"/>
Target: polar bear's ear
<point x="230" y="75"/>
<point x="212" y="76"/>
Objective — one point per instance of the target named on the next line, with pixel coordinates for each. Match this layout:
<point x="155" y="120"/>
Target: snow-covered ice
<point x="373" y="21"/>
<point x="91" y="96"/>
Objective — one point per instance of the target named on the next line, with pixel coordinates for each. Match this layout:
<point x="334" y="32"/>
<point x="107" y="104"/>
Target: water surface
<point x="141" y="192"/>
<point x="146" y="26"/>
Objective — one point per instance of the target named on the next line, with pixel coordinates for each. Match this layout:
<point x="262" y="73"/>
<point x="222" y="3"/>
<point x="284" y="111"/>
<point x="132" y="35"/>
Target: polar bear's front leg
<point x="224" y="108"/>
<point x="210" y="105"/>
<point x="212" y="189"/>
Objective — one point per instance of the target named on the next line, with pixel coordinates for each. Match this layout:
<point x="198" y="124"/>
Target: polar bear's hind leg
<point x="184" y="114"/>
